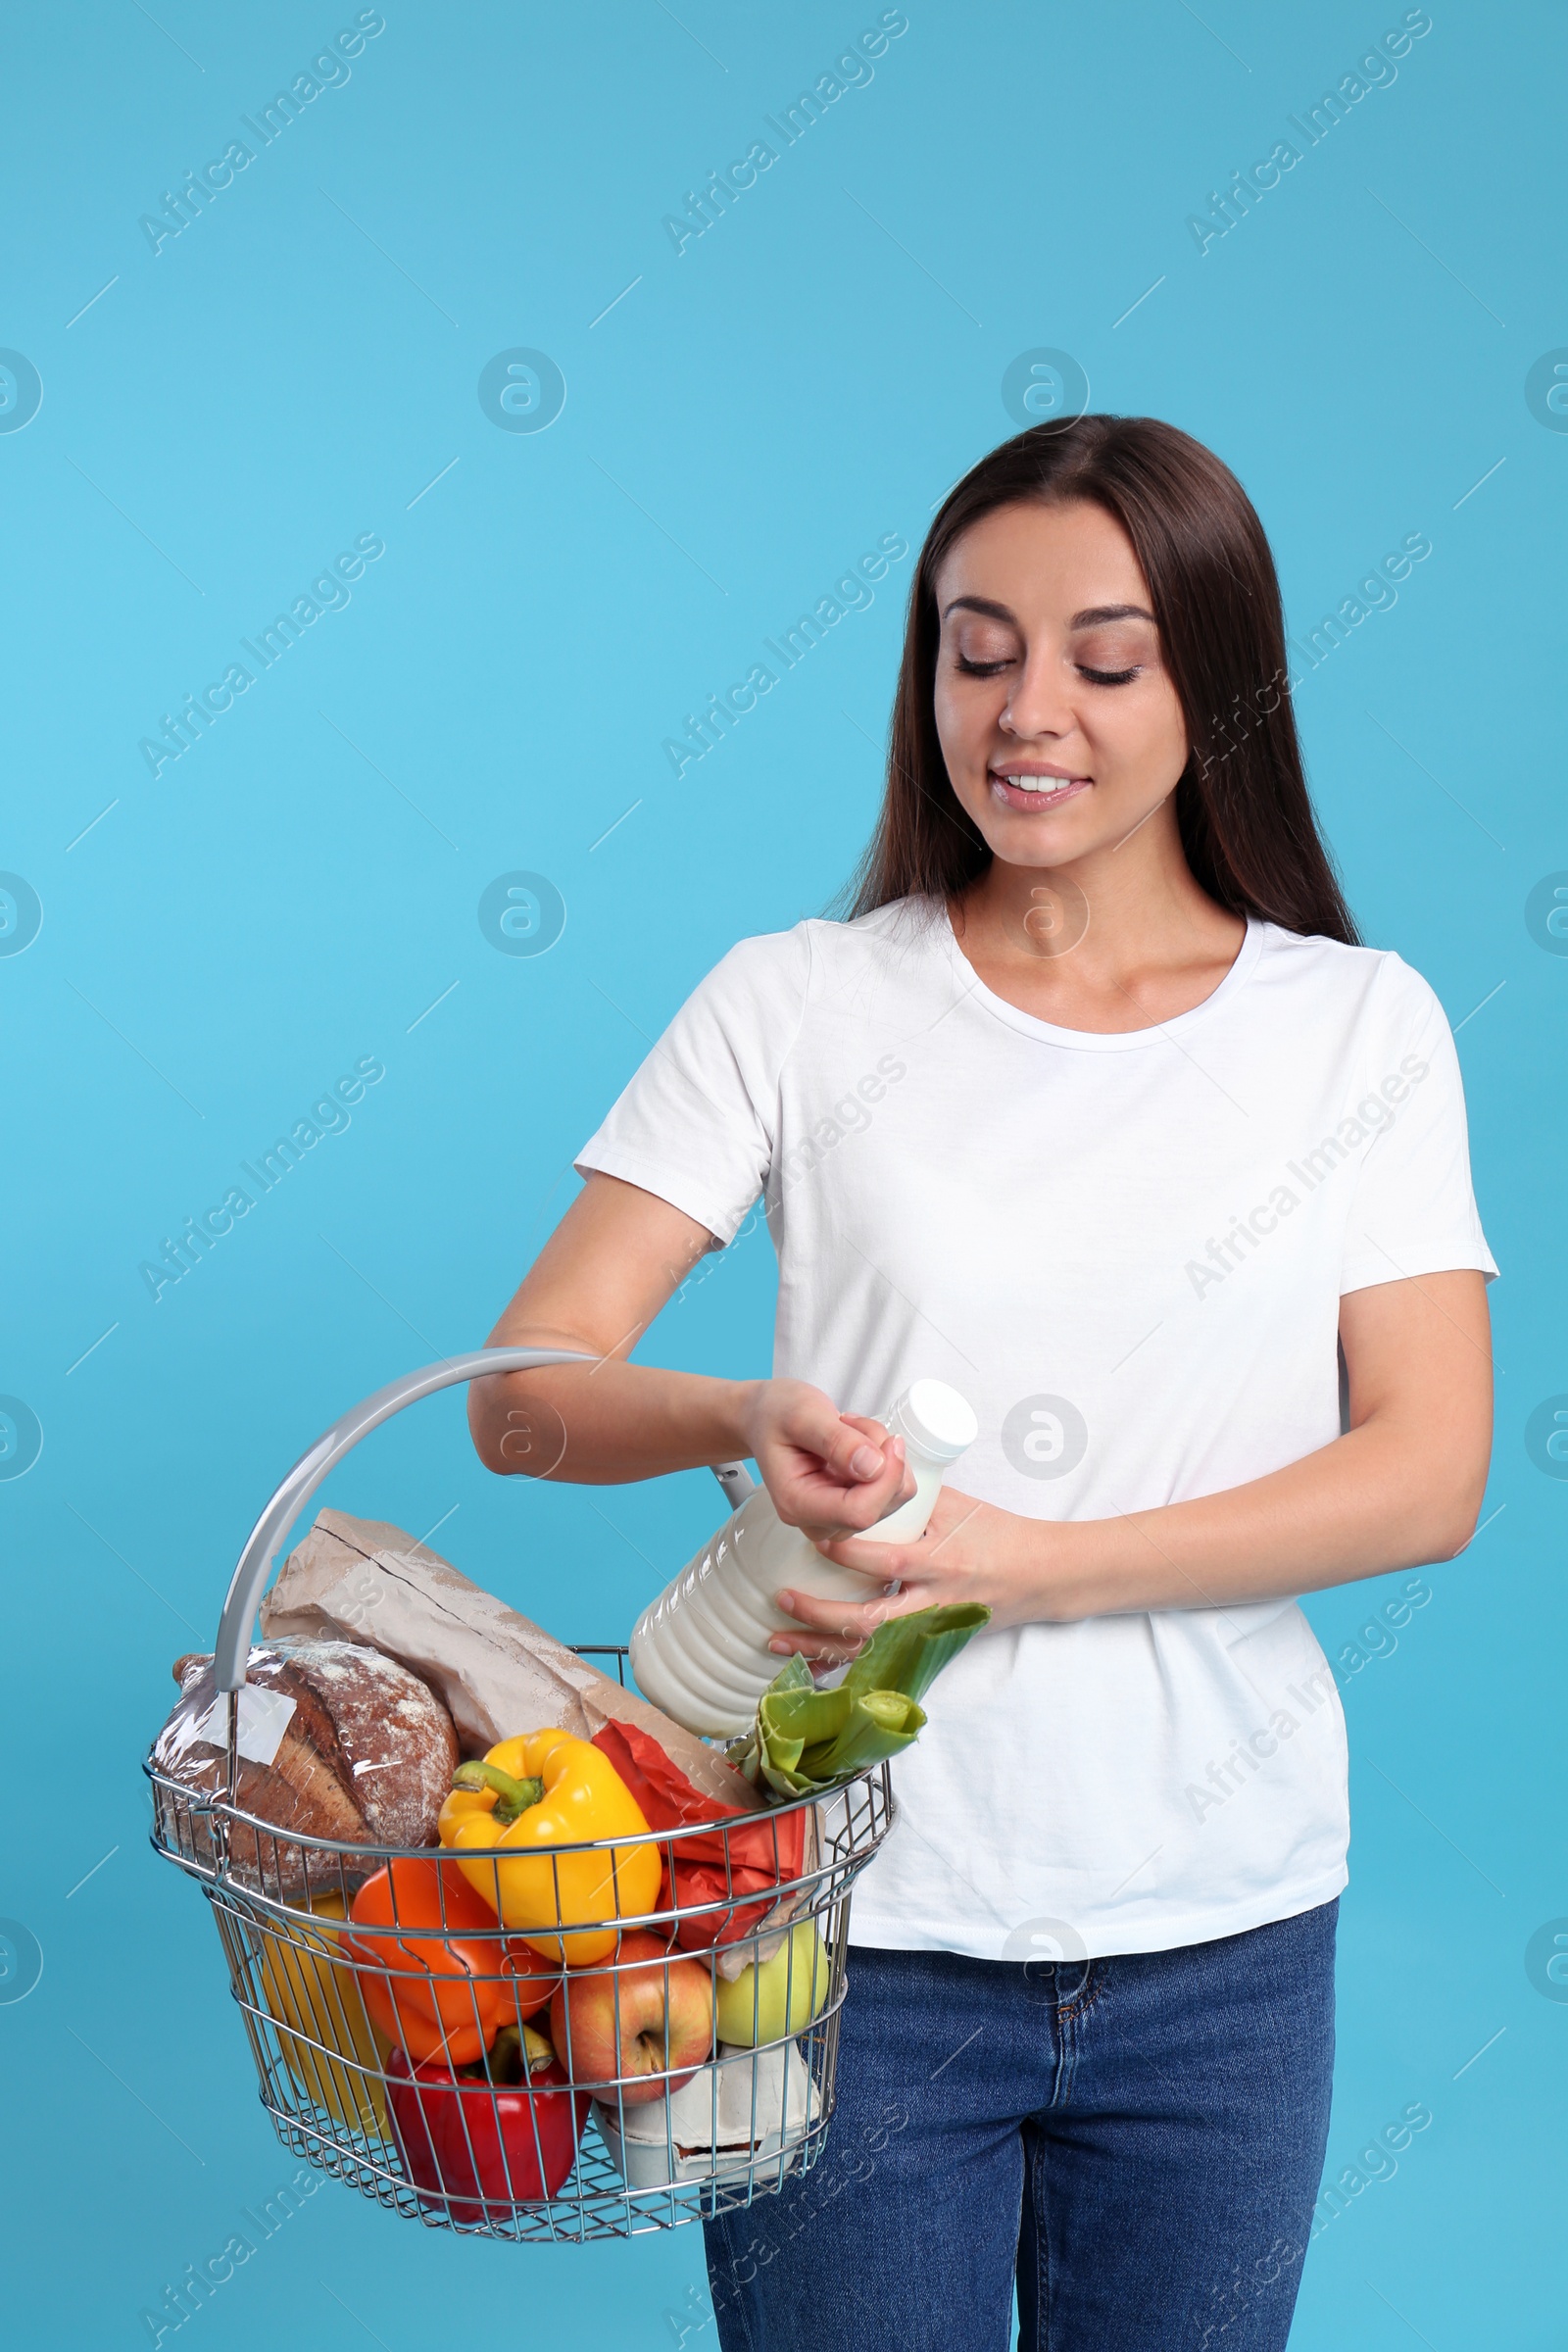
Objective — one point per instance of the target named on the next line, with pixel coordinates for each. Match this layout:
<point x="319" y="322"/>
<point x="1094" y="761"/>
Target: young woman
<point x="1096" y="1110"/>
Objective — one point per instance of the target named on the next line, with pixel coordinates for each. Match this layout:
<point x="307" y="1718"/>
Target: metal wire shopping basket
<point x="667" y="2064"/>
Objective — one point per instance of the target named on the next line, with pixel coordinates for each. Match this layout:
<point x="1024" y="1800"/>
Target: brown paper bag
<point x="360" y="1580"/>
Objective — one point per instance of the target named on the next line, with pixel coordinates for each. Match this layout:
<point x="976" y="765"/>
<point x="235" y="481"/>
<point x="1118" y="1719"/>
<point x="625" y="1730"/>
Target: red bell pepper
<point x="478" y="2140"/>
<point x="442" y="1977"/>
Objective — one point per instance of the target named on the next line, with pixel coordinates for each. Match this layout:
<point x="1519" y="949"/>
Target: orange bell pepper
<point x="439" y="1975"/>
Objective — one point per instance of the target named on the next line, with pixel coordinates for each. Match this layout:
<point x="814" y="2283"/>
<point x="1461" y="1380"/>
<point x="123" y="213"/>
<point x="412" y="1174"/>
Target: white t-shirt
<point x="1128" y="1252"/>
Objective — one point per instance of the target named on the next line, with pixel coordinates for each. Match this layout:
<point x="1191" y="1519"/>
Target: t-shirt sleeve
<point x="1414" y="1208"/>
<point x="698" y="1122"/>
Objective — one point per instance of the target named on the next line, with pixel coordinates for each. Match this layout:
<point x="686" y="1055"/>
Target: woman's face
<point x="1060" y="728"/>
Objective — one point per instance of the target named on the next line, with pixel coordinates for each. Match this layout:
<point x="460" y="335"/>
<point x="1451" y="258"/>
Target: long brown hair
<point x="1242" y="808"/>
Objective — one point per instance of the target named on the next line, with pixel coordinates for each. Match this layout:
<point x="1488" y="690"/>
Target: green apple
<point x="781" y="1997"/>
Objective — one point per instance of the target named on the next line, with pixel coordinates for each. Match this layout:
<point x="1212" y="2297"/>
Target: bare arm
<point x="616" y="1256"/>
<point x="1402" y="1487"/>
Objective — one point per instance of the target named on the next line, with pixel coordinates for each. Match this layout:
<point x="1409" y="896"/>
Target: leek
<point x="805" y="1740"/>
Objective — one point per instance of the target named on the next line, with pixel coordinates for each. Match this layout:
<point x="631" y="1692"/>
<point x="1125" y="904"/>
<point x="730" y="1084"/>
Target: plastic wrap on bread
<point x="337" y="1740"/>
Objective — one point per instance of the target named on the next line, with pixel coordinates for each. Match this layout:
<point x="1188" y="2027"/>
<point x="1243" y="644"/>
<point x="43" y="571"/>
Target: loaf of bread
<point x="336" y="1741"/>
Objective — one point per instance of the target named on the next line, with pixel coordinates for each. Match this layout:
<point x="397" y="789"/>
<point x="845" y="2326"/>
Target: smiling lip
<point x="1051" y="787"/>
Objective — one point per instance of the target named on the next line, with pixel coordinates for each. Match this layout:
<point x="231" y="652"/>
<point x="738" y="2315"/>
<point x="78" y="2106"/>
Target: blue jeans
<point x="1135" y="2140"/>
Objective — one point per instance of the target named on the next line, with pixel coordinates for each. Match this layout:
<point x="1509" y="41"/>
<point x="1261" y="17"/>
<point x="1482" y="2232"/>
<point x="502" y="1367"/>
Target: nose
<point x="1040" y="703"/>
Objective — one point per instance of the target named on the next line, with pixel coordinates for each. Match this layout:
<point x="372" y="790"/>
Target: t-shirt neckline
<point x="1094" y="1040"/>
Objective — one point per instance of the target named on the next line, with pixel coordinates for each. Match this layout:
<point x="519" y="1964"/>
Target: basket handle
<point x="249" y="1579"/>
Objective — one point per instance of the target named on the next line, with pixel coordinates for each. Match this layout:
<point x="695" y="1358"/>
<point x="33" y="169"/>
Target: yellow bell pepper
<point x="531" y="1795"/>
<point x="313" y="1997"/>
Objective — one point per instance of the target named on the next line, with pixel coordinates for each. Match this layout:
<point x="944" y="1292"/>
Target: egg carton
<point x="735" y="2113"/>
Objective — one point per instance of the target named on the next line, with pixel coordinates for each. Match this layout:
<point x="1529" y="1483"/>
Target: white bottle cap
<point x="935" y="1418"/>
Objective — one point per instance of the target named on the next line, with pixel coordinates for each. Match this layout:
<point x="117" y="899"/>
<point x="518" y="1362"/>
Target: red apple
<point x="622" y="2030"/>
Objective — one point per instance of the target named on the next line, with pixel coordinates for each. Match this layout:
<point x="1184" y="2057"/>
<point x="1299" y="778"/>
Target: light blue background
<point x="292" y="371"/>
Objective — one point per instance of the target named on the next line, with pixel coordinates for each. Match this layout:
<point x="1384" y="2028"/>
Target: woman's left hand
<point x="970" y="1551"/>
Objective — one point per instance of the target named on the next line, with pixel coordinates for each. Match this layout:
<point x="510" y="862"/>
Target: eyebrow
<point x="1091" y="618"/>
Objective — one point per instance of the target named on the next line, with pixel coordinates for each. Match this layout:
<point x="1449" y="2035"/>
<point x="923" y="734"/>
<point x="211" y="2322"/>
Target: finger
<point x="818" y="1648"/>
<point x="893" y="1452"/>
<point x="885" y="1561"/>
<point x="873" y="1430"/>
<point x="848" y="1448"/>
<point x="848" y="1631"/>
<point x="841" y="1621"/>
<point x="828" y="1510"/>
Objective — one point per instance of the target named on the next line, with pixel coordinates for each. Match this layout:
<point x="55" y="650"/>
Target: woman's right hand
<point x="828" y="1472"/>
<point x="617" y="1254"/>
